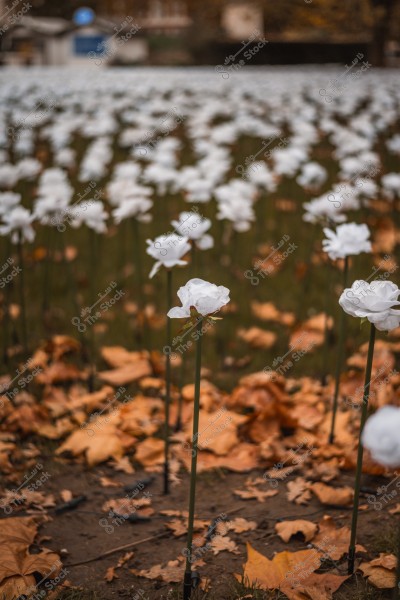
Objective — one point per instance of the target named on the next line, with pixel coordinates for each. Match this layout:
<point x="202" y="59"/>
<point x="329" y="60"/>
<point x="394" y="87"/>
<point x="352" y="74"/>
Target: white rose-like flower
<point x="167" y="250"/>
<point x="348" y="240"/>
<point x="374" y="301"/>
<point x="194" y="227"/>
<point x="18" y="224"/>
<point x="133" y="207"/>
<point x="381" y="436"/>
<point x="91" y="213"/>
<point x="206" y="298"/>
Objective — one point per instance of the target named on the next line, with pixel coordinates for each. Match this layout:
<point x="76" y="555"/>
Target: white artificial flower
<point x="348" y="240"/>
<point x="239" y="211"/>
<point x="391" y="185"/>
<point x="168" y="251"/>
<point x="381" y="436"/>
<point x="312" y="175"/>
<point x="50" y="210"/>
<point x="18" y="224"/>
<point x="8" y="200"/>
<point x="91" y="213"/>
<point x="206" y="298"/>
<point x="194" y="227"/>
<point x="374" y="301"/>
<point x="133" y="207"/>
<point x="324" y="208"/>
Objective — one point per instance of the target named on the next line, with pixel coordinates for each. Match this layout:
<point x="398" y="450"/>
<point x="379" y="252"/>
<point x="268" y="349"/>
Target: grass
<point x="386" y="540"/>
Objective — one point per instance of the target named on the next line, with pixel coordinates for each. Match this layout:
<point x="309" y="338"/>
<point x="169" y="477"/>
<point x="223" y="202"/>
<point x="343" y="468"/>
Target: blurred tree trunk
<point x="382" y="14"/>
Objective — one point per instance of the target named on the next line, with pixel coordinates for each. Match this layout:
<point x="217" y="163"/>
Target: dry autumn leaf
<point x="291" y="573"/>
<point x="332" y="496"/>
<point x="381" y="572"/>
<point x="286" y="529"/>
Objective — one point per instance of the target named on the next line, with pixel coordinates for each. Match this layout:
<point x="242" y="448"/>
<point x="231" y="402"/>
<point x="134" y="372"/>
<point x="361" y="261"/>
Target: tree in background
<point x="337" y="20"/>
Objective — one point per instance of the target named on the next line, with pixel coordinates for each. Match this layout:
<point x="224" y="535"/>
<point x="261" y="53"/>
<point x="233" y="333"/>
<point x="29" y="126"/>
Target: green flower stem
<point x="340" y="356"/>
<point x="193" y="470"/>
<point x="167" y="385"/>
<point x="6" y="310"/>
<point x="182" y="370"/>
<point x="93" y="280"/>
<point x="326" y="326"/>
<point x="139" y="282"/>
<point x="194" y="259"/>
<point x="396" y="591"/>
<point x="22" y="295"/>
<point x="364" y="413"/>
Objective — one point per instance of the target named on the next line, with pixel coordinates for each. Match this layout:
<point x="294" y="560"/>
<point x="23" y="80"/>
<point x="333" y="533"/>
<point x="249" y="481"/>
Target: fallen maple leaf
<point x="254" y="493"/>
<point x="292" y="573"/>
<point x="220" y="543"/>
<point x="171" y="573"/>
<point x="105" y="441"/>
<point x="381" y="572"/>
<point x="286" y="529"/>
<point x="332" y="496"/>
<point x="299" y="491"/>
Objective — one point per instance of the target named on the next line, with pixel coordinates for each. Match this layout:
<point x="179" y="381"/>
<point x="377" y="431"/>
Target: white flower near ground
<point x="194" y="227"/>
<point x="349" y="239"/>
<point x="206" y="298"/>
<point x="18" y="224"/>
<point x="168" y="251"/>
<point x="373" y="301"/>
<point x="381" y="436"/>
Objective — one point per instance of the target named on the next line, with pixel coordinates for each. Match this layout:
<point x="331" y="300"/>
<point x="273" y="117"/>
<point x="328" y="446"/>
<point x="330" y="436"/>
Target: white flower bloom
<point x="91" y="213"/>
<point x="206" y="298"/>
<point x="168" y="251"/>
<point x="374" y="301"/>
<point x="391" y="185"/>
<point x="312" y="175"/>
<point x="194" y="227"/>
<point x="8" y="200"/>
<point x="18" y="224"/>
<point x="133" y="207"/>
<point x="381" y="436"/>
<point x="322" y="209"/>
<point x="348" y="240"/>
<point x="240" y="212"/>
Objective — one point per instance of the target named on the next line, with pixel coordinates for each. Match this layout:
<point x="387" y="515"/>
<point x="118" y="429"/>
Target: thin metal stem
<point x="193" y="470"/>
<point x="340" y="356"/>
<point x="364" y="413"/>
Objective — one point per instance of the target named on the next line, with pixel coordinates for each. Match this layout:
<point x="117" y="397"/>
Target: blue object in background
<point x="93" y="44"/>
<point x="84" y="16"/>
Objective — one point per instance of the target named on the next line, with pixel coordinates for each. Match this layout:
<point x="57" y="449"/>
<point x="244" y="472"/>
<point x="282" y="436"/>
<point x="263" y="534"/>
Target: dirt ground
<point x="77" y="534"/>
